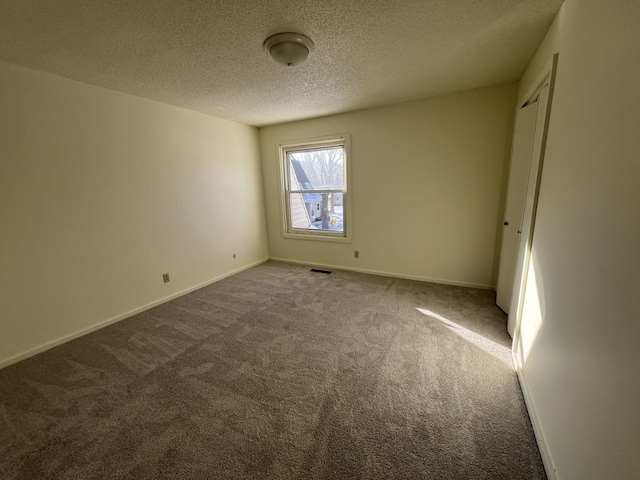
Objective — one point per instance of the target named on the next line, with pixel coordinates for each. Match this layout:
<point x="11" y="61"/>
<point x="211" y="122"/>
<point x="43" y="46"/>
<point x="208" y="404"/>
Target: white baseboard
<point x="387" y="274"/>
<point x="117" y="318"/>
<point x="549" y="466"/>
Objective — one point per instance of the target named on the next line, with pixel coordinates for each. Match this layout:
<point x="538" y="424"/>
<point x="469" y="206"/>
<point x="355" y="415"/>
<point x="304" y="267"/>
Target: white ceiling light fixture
<point x="288" y="48"/>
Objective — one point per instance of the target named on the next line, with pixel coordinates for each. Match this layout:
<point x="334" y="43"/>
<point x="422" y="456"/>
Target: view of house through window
<point x="315" y="189"/>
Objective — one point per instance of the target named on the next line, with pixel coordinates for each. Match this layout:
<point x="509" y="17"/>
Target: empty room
<point x="320" y="240"/>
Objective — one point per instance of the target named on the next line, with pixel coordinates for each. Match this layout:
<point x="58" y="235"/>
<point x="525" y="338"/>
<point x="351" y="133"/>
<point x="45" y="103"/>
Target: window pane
<point x="316" y="169"/>
<point x="316" y="211"/>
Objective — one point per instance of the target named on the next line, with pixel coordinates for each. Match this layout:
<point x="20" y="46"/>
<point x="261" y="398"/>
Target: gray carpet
<point x="277" y="372"/>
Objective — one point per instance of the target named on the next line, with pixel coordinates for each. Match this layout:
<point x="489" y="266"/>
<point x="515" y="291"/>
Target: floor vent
<point x="320" y="271"/>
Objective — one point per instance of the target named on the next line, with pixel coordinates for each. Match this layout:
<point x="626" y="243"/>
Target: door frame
<point x="547" y="77"/>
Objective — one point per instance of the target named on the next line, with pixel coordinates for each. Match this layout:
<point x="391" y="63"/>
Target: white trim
<point x="526" y="242"/>
<point x="342" y="140"/>
<point x="324" y="237"/>
<point x="545" y="76"/>
<point x="117" y="318"/>
<point x="386" y="274"/>
<point x="545" y="453"/>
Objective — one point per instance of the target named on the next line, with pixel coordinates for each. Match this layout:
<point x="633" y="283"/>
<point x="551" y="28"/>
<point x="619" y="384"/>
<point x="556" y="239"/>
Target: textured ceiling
<point x="207" y="56"/>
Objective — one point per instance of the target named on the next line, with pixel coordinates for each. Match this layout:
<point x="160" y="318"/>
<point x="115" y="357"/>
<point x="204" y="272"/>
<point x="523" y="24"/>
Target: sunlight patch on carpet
<point x="494" y="349"/>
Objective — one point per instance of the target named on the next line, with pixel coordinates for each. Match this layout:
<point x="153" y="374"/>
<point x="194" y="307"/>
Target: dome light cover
<point x="288" y="48"/>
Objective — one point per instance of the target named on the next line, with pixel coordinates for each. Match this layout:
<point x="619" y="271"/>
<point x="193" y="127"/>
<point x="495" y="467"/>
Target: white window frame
<point x="341" y="140"/>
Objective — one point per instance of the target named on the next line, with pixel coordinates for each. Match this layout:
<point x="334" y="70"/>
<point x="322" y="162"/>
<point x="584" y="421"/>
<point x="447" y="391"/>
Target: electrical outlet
<point x="356" y="254"/>
<point x="165" y="277"/>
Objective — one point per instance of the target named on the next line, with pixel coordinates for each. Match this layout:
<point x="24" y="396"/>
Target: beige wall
<point x="582" y="367"/>
<point x="428" y="184"/>
<point x="103" y="192"/>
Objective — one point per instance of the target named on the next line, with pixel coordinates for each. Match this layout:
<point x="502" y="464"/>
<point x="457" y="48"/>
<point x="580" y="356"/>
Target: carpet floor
<point x="278" y="372"/>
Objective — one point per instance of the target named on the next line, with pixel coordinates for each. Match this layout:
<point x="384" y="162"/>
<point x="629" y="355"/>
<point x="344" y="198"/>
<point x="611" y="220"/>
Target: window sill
<point x="318" y="238"/>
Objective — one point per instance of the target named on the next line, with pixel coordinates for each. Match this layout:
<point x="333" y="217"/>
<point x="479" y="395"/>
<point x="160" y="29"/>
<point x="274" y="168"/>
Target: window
<point x="314" y="189"/>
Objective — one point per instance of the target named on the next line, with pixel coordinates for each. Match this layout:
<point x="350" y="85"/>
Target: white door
<point x="530" y="205"/>
<point x="514" y="207"/>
